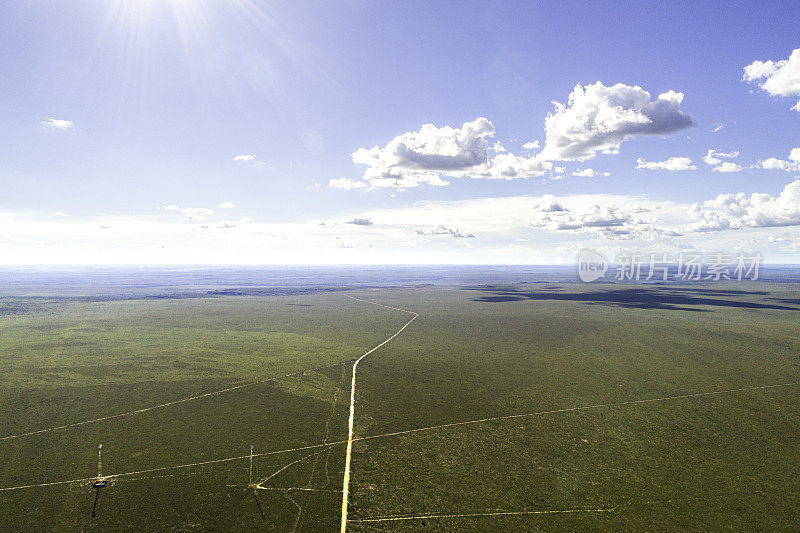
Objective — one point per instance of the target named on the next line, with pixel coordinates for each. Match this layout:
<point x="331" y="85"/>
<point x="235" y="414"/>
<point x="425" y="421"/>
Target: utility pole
<point x="251" y="466"/>
<point x="100" y="481"/>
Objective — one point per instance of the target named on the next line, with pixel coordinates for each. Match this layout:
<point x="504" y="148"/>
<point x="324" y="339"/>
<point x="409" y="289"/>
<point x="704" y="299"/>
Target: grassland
<point x="721" y="461"/>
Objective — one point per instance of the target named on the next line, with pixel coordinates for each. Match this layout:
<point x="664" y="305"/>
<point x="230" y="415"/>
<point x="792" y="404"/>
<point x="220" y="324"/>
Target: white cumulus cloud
<point x="432" y="154"/>
<point x="510" y="166"/>
<point x="433" y="148"/>
<point x="599" y="118"/>
<point x="780" y="78"/>
<point x="790" y="165"/>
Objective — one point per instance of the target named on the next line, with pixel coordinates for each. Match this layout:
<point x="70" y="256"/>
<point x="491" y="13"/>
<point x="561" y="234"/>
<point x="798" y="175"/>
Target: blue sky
<point x="122" y="121"/>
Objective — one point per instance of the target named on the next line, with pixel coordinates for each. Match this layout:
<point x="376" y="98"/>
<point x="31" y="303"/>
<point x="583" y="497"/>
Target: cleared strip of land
<point x="469" y="515"/>
<point x="346" y="481"/>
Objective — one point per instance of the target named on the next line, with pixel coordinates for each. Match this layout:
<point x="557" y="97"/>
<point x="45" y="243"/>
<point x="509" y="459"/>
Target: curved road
<point x="346" y="483"/>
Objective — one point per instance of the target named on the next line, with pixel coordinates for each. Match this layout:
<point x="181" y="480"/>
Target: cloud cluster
<point x="433" y="154"/>
<point x="595" y="119"/>
<point x="625" y="218"/>
<point x="737" y="211"/>
<point x="673" y="163"/>
<point x="621" y="220"/>
<point x="599" y="118"/>
<point x="515" y="228"/>
<point x="780" y="78"/>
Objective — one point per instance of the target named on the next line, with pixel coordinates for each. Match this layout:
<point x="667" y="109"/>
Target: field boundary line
<point x="494" y="513"/>
<point x="348" y="454"/>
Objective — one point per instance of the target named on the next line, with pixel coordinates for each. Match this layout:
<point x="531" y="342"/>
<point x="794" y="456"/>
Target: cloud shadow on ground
<point x="650" y="297"/>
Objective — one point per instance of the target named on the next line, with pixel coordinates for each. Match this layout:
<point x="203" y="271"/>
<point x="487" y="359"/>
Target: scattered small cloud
<point x="360" y="222"/>
<point x="347" y="184"/>
<point x="248" y="158"/>
<point x="444" y="230"/>
<point x="58" y="124"/>
<point x="59" y="214"/>
<point x="532" y="145"/>
<point x="715" y="157"/>
<point x="227" y="205"/>
<point x="728" y="166"/>
<point x="672" y="164"/>
<point x="171" y="207"/>
<point x="585" y="173"/>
